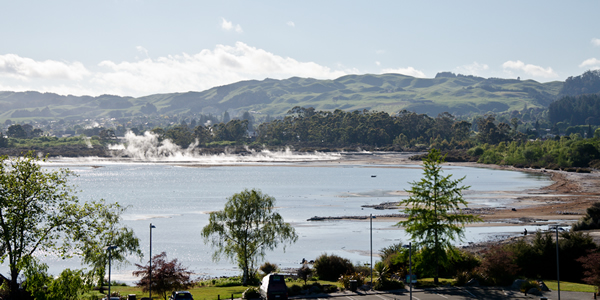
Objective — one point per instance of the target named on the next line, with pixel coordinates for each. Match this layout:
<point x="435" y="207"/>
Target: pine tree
<point x="434" y="211"/>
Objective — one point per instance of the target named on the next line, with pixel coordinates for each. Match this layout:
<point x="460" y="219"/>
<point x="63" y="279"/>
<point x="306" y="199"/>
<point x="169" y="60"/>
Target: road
<point x="451" y="294"/>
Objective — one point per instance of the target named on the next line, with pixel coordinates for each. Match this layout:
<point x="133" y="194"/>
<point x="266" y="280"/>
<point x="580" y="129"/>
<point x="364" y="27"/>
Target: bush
<point x="268" y="268"/>
<point x="330" y="288"/>
<point x="304" y="273"/>
<point x="224" y="282"/>
<point x="475" y="151"/>
<point x="295" y="290"/>
<point x="331" y="267"/>
<point x="529" y="284"/>
<point x="251" y="293"/>
<point x="386" y="285"/>
<point x="461" y="278"/>
<point x="498" y="266"/>
<point x="344" y="280"/>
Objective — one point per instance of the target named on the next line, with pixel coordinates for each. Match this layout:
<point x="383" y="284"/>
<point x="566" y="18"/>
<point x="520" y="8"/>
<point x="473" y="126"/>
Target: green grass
<point x="428" y="282"/>
<point x="570" y="286"/>
<point x="202" y="292"/>
<point x="199" y="293"/>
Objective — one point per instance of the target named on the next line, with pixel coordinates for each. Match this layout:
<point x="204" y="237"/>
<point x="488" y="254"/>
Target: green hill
<point x="458" y="95"/>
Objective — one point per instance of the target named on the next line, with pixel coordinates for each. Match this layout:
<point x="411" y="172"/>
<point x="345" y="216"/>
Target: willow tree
<point x="435" y="218"/>
<point x="246" y="228"/>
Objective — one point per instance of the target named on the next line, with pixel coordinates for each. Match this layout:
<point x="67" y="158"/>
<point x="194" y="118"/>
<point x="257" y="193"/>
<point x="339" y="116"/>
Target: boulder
<point x="534" y="291"/>
<point x="517" y="284"/>
<point x="543" y="286"/>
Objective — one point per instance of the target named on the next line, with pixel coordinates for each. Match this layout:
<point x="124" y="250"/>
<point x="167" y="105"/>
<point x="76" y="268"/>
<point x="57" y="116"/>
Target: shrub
<point x="386" y="285"/>
<point x="591" y="220"/>
<point x="461" y="278"/>
<point x="268" y="268"/>
<point x="529" y="284"/>
<point x="330" y="288"/>
<point x="461" y="261"/>
<point x="331" y="267"/>
<point x="295" y="290"/>
<point x="498" y="266"/>
<point x="475" y="151"/>
<point x="251" y="293"/>
<point x="304" y="273"/>
<point x="344" y="280"/>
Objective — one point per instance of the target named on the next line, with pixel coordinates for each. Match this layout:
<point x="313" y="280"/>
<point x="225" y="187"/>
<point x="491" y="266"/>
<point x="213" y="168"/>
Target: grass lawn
<point x="428" y="282"/>
<point x="569" y="286"/>
<point x="201" y="292"/>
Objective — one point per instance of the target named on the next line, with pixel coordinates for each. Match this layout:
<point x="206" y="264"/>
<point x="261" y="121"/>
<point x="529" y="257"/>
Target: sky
<point x="143" y="47"/>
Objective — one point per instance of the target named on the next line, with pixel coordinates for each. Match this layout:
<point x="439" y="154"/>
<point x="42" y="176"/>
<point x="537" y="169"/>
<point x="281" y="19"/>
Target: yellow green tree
<point x="246" y="228"/>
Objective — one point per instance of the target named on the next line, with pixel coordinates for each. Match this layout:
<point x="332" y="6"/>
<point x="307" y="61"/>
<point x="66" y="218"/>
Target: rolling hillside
<point x="458" y="95"/>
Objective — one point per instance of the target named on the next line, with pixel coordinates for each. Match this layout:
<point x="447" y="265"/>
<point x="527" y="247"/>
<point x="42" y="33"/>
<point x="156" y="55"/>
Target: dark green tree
<point x="16" y="131"/>
<point x="3" y="140"/>
<point x="434" y="211"/>
<point x="180" y="135"/>
<point x="246" y="228"/>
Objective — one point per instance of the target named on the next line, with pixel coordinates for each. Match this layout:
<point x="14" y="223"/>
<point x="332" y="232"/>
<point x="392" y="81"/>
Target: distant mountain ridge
<point x="456" y="94"/>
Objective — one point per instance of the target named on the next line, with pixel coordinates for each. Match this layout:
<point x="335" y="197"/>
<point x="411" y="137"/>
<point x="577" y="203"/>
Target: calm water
<point x="177" y="199"/>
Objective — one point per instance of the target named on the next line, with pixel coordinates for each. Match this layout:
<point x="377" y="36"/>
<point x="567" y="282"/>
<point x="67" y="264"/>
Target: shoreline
<point x="566" y="199"/>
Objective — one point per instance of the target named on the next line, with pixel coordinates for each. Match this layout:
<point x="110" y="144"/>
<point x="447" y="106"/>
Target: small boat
<point x="372" y="176"/>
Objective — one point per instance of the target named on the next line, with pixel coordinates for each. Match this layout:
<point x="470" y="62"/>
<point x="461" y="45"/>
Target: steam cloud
<point x="147" y="147"/>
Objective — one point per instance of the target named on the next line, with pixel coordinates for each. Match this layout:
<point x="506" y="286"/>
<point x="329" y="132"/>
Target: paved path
<point x="451" y="293"/>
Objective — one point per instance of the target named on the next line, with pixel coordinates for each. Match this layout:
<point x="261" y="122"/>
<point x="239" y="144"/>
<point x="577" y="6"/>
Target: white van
<point x="273" y="287"/>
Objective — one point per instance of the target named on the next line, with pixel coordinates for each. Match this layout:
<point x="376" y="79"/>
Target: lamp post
<point x="409" y="267"/>
<point x="557" y="261"/>
<point x="371" y="220"/>
<point x="150" y="269"/>
<point x="109" y="248"/>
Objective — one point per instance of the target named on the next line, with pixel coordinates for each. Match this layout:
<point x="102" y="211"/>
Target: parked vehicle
<point x="181" y="295"/>
<point x="273" y="287"/>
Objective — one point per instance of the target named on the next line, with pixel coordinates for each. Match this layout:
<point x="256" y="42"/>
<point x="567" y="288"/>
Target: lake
<point x="177" y="195"/>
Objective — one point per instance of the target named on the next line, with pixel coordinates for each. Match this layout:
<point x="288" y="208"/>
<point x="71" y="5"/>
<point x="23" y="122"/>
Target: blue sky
<point x="136" y="48"/>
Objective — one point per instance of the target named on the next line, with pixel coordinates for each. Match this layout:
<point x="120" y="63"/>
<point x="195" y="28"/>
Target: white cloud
<point x="529" y="69"/>
<point x="410" y="71"/>
<point x="596" y="42"/>
<point x="378" y="63"/>
<point x="142" y="50"/>
<point x="22" y="68"/>
<point x="593" y="63"/>
<point x="472" y="69"/>
<point x="291" y="24"/>
<point x="228" y="25"/>
<point x="174" y="73"/>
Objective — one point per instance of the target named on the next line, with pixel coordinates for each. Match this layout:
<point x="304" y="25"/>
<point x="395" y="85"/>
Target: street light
<point x="150" y="270"/>
<point x="371" y="221"/>
<point x="557" y="261"/>
<point x="109" y="248"/>
<point x="410" y="276"/>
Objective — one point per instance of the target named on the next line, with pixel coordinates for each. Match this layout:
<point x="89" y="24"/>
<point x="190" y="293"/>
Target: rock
<point x="534" y="291"/>
<point x="517" y="284"/>
<point x="543" y="286"/>
<point x="472" y="282"/>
